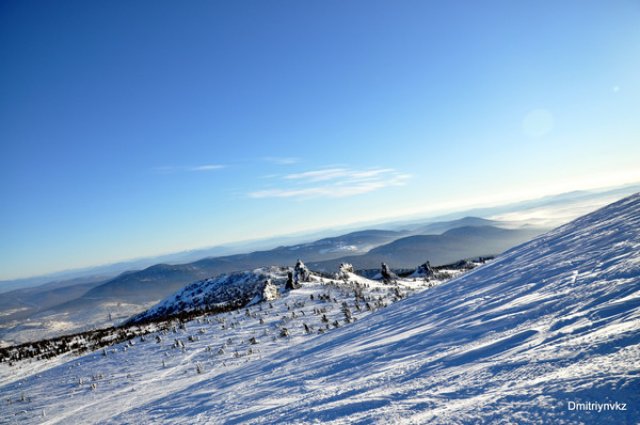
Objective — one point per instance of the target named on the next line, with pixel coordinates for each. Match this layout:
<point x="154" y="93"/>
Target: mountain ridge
<point x="452" y="245"/>
<point x="106" y="302"/>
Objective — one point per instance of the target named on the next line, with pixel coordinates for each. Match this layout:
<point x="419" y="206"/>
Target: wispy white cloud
<point x="207" y="167"/>
<point x="167" y="169"/>
<point x="333" y="183"/>
<point x="319" y="175"/>
<point x="281" y="160"/>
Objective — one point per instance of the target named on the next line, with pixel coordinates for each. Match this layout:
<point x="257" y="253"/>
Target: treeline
<point x="92" y="340"/>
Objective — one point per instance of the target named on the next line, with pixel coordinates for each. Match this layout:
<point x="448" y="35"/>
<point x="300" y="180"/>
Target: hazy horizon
<point x="545" y="217"/>
<point x="132" y="130"/>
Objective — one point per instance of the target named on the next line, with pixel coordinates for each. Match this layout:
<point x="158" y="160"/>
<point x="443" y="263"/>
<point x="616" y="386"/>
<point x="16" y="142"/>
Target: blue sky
<point x="130" y="129"/>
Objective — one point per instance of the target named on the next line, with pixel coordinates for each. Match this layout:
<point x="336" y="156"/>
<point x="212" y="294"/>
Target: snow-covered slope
<point x="549" y="324"/>
<point x="239" y="287"/>
<point x="552" y="322"/>
<point x="129" y="374"/>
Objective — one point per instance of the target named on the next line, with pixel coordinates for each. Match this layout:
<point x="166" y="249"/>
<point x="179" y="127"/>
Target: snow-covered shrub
<point x="269" y="291"/>
<point x="344" y="270"/>
<point x="301" y="272"/>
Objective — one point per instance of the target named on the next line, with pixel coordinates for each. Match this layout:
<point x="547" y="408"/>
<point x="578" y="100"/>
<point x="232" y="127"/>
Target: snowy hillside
<point x="550" y="324"/>
<point x="59" y="390"/>
<point x="547" y="325"/>
<point x="240" y="287"/>
<point x="45" y="312"/>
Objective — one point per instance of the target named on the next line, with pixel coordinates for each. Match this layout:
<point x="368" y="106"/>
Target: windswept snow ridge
<point x="547" y="333"/>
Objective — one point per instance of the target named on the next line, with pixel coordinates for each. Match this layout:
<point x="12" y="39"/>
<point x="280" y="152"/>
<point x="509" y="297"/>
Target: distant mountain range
<point x="571" y="205"/>
<point x="101" y="298"/>
<point x="64" y="306"/>
<point x="157" y="281"/>
<point x="452" y="245"/>
<point x="439" y="227"/>
<point x="23" y="303"/>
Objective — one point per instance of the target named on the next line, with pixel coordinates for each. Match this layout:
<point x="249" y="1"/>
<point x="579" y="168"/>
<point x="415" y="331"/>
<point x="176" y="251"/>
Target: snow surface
<point x="127" y="375"/>
<point x="554" y="321"/>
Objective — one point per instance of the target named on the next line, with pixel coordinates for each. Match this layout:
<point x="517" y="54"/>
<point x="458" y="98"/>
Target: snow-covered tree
<point x="300" y="273"/>
<point x="344" y="270"/>
<point x="269" y="291"/>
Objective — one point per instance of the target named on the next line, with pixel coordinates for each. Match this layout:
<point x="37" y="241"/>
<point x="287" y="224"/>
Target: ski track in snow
<point x="552" y="321"/>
